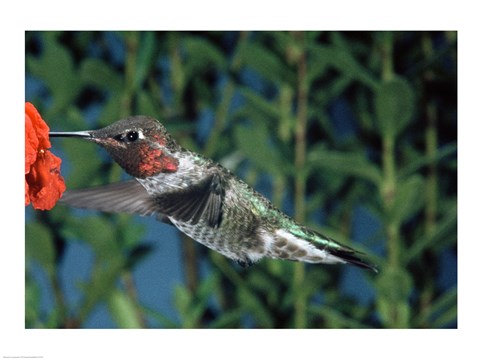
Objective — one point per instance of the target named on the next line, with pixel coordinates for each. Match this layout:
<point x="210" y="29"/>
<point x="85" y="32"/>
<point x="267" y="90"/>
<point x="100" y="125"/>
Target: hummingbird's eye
<point x="129" y="137"/>
<point x="132" y="136"/>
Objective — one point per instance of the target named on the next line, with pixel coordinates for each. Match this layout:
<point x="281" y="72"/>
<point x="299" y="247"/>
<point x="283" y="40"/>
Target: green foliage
<point x="191" y="306"/>
<point x="275" y="100"/>
<point x="123" y="309"/>
<point x="55" y="65"/>
<point x="394" y="105"/>
<point x="346" y="164"/>
<point x="261" y="152"/>
<point x="95" y="72"/>
<point x="39" y="247"/>
<point x="392" y="301"/>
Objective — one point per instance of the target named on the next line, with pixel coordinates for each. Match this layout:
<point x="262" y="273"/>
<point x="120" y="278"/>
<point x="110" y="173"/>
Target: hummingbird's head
<point x="139" y="144"/>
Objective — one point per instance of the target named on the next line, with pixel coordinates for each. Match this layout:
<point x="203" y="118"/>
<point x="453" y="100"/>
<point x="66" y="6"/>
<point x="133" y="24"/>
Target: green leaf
<point x="123" y="310"/>
<point x="345" y="62"/>
<point x="137" y="254"/>
<point x="96" y="231"/>
<point x="265" y="62"/>
<point x="394" y="287"/>
<point x="111" y="110"/>
<point x="146" y="104"/>
<point x="104" y="277"/>
<point x="182" y="300"/>
<point x="408" y="199"/>
<point x="201" y="55"/>
<point x="394" y="315"/>
<point x="420" y="161"/>
<point x="192" y="306"/>
<point x="203" y="295"/>
<point x="252" y="304"/>
<point x="394" y="106"/>
<point x="347" y="164"/>
<point x="255" y="144"/>
<point x="266" y="287"/>
<point x="227" y="320"/>
<point x="81" y="170"/>
<point x="32" y="302"/>
<point x="145" y="58"/>
<point x="446" y="229"/>
<point x="446" y="318"/>
<point x="97" y="73"/>
<point x="54" y="319"/>
<point x="257" y="106"/>
<point x="394" y="283"/>
<point x="39" y="246"/>
<point x="287" y="120"/>
<point x="335" y="318"/>
<point x="318" y="61"/>
<point x="131" y="233"/>
<point x="162" y="319"/>
<point x="442" y="311"/>
<point x="55" y="67"/>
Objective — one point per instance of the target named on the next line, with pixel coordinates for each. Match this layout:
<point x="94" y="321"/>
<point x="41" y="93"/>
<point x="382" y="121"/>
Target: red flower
<point x="43" y="183"/>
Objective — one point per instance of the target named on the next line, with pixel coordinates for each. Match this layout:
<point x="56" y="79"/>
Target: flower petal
<point x="45" y="184"/>
<point x="31" y="144"/>
<point x="40" y="127"/>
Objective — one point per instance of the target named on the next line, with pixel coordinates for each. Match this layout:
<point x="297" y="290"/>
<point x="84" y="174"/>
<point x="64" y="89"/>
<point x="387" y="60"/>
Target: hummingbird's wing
<point x="123" y="197"/>
<point x="197" y="201"/>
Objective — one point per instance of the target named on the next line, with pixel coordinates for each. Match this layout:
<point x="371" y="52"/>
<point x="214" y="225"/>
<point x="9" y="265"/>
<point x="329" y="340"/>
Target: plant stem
<point x="389" y="186"/>
<point x="131" y="40"/>
<point x="300" y="305"/>
<point x="60" y="301"/>
<point x="220" y="119"/>
<point x="387" y="60"/>
<point x="431" y="182"/>
<point x="177" y="79"/>
<point x="126" y="109"/>
<point x="190" y="257"/>
<point x="389" y="189"/>
<point x="431" y="144"/>
<point x="131" y="291"/>
<point x="221" y="114"/>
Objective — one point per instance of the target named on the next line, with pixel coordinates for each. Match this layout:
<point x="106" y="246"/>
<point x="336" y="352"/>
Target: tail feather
<point x="335" y="250"/>
<point x="351" y="256"/>
<point x="304" y="244"/>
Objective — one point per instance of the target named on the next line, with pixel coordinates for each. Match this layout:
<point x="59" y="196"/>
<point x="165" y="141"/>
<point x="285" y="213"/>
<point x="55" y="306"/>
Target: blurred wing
<point x="203" y="200"/>
<point x="123" y="197"/>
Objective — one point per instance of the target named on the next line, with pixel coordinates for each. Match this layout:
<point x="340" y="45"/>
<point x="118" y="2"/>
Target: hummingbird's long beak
<point x="83" y="134"/>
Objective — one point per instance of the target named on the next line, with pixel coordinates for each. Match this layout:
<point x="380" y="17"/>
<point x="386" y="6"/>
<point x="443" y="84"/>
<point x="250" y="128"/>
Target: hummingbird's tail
<point x="303" y="244"/>
<point x="351" y="256"/>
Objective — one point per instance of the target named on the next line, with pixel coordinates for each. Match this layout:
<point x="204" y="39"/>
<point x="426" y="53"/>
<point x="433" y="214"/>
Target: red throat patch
<point x="156" y="161"/>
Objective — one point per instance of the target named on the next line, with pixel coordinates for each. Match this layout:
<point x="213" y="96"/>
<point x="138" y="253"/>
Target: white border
<point x="224" y="15"/>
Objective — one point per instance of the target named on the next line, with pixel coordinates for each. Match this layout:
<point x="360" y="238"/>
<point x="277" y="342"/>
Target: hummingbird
<point x="200" y="197"/>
